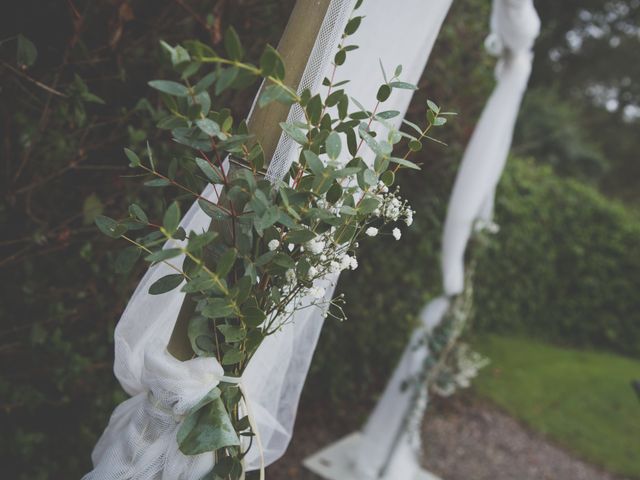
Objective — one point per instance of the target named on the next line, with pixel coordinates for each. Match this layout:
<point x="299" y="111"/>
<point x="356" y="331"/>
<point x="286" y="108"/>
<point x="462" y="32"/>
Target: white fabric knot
<point x="179" y="385"/>
<point x="140" y="440"/>
<point x="516" y="25"/>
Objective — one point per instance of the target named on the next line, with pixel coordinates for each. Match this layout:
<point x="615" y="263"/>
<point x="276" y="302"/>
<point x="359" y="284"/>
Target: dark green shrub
<point x="565" y="265"/>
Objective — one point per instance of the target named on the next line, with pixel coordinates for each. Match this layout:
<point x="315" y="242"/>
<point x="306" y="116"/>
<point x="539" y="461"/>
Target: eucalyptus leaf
<point x="109" y="226"/>
<point x="171" y="218"/>
<point x="226" y="261"/>
<point x="232" y="44"/>
<point x="170" y="87"/>
<point x="157" y="182"/>
<point x="209" y="170"/>
<point x="333" y="145"/>
<point x="196" y="242"/>
<point x="271" y="63"/>
<point x="300" y="236"/>
<point x="205" y="82"/>
<point x="294" y="132"/>
<point x="232" y="333"/>
<point x="275" y="93"/>
<point x="403" y="85"/>
<point x="134" y="160"/>
<point x="165" y="284"/>
<point x="232" y="356"/>
<point x="218" y="308"/>
<point x="383" y="93"/>
<point x="209" y="127"/>
<point x="253" y="316"/>
<point x="163" y="254"/>
<point x="404" y="163"/>
<point x="136" y="211"/>
<point x="27" y="53"/>
<point x="352" y="25"/>
<point x="207" y="430"/>
<point x="313" y="162"/>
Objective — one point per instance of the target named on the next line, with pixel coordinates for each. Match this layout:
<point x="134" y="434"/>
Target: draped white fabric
<point x="401" y="32"/>
<point x="140" y="440"/>
<point x="419" y="23"/>
<point x="514" y="25"/>
<point x="385" y="435"/>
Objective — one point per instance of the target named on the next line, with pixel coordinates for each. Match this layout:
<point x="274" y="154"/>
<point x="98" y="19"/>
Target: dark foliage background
<point x="567" y="253"/>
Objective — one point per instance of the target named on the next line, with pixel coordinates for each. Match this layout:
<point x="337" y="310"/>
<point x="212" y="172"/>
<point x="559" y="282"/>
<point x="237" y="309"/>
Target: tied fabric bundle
<point x="140" y="440"/>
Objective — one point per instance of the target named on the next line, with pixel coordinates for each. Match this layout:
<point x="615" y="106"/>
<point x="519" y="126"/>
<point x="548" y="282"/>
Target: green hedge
<point x="565" y="266"/>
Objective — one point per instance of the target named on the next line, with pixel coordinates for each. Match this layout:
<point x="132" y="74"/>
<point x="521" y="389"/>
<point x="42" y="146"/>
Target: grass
<point x="581" y="400"/>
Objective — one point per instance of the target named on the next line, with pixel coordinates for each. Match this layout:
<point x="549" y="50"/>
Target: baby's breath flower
<point x="396" y="233"/>
<point x="273" y="244"/>
<point x="290" y="276"/>
<point x="315" y="246"/>
<point x="316" y="292"/>
<point x="371" y="231"/>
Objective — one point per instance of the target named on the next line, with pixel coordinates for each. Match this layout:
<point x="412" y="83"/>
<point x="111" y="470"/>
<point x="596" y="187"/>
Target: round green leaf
<point x="383" y="93"/>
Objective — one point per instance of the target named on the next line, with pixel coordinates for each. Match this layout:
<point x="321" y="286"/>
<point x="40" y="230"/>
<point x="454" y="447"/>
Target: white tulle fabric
<point x="395" y="33"/>
<point x="419" y="23"/>
<point x="140" y="441"/>
<point x="387" y="449"/>
<point x="515" y="26"/>
<point x="315" y="71"/>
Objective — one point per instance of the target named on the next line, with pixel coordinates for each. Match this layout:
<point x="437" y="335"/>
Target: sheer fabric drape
<point x="514" y="27"/>
<point x="140" y="441"/>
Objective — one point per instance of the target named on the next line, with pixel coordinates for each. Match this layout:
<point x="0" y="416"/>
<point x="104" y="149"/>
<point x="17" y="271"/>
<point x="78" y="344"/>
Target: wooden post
<point x="295" y="49"/>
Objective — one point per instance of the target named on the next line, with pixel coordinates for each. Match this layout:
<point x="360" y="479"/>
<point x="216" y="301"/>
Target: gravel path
<point x="471" y="441"/>
<point x="465" y="440"/>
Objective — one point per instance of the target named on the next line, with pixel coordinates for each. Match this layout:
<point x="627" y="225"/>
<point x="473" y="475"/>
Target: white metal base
<point x="335" y="463"/>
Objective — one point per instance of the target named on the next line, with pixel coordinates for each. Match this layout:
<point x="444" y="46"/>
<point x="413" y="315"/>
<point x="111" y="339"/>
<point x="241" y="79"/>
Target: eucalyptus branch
<point x="287" y="238"/>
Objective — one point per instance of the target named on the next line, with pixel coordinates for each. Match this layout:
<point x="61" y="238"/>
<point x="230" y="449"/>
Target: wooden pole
<point x="295" y="49"/>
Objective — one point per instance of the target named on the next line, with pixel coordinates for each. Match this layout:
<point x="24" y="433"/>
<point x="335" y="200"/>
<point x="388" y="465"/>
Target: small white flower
<point x="312" y="272"/>
<point x="273" y="244"/>
<point x="335" y="267"/>
<point x="316" y="292"/>
<point x="323" y="258"/>
<point x="315" y="246"/>
<point x="353" y="263"/>
<point x="371" y="231"/>
<point x="345" y="262"/>
<point x="290" y="276"/>
<point x="291" y="246"/>
<point x="396" y="233"/>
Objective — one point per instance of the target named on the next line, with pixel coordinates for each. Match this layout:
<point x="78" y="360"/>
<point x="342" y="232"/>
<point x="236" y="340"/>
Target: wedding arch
<point x="152" y="361"/>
